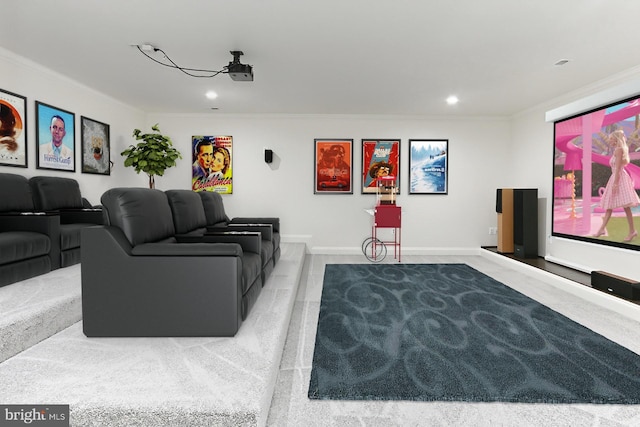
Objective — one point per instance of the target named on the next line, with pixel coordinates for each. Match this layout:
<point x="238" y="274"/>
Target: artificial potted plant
<point x="153" y="155"/>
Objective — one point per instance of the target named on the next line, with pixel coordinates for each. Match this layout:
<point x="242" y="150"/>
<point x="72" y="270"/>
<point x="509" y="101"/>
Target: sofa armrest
<point x="87" y="215"/>
<point x="39" y="222"/>
<point x="249" y="241"/>
<point x="275" y="222"/>
<point x="266" y="230"/>
<point x="188" y="250"/>
<point x="125" y="295"/>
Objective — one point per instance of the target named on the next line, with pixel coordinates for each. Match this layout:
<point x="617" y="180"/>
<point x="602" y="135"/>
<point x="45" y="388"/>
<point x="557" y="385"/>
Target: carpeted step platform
<point x="164" y="381"/>
<point x="37" y="308"/>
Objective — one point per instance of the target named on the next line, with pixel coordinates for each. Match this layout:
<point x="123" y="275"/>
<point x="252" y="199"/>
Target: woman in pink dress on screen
<point x="620" y="191"/>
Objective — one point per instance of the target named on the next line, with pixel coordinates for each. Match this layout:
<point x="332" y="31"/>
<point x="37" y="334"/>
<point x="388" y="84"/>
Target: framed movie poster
<point x="13" y="129"/>
<point x="380" y="157"/>
<point x="212" y="164"/>
<point x="55" y="138"/>
<point x="95" y="146"/>
<point x="428" y="166"/>
<point x="333" y="166"/>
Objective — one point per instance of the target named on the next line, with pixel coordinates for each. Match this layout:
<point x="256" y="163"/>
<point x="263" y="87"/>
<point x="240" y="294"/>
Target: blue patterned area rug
<point x="447" y="332"/>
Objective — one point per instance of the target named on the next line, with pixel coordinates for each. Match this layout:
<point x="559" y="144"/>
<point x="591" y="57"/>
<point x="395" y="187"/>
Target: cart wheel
<point x="375" y="250"/>
<point x="365" y="242"/>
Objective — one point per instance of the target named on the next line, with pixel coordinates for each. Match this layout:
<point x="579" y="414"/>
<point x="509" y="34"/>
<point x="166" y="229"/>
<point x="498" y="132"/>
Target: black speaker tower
<point x="525" y="222"/>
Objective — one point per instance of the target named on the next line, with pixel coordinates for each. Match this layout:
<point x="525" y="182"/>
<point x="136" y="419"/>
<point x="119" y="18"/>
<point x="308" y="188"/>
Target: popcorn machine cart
<point x="386" y="214"/>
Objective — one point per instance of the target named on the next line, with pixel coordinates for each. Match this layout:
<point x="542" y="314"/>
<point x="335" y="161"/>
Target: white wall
<point x="21" y="76"/>
<point x="457" y="221"/>
<point x="485" y="154"/>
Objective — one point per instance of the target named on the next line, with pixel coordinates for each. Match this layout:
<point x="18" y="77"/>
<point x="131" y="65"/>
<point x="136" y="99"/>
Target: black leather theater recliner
<point x="62" y="196"/>
<point x="189" y="220"/>
<point x="29" y="240"/>
<point x="216" y="217"/>
<point x="137" y="280"/>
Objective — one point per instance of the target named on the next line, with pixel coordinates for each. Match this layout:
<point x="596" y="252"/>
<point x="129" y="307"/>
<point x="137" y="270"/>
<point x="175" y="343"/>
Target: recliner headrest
<point x="15" y="193"/>
<point x="53" y="193"/>
<point x="188" y="212"/>
<point x="213" y="207"/>
<point x="143" y="214"/>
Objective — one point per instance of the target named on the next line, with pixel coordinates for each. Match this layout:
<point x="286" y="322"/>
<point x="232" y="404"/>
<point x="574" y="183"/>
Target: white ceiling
<point x="331" y="56"/>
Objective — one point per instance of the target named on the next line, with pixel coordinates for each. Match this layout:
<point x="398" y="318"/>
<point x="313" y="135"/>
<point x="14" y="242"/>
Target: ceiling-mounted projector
<point x="237" y="71"/>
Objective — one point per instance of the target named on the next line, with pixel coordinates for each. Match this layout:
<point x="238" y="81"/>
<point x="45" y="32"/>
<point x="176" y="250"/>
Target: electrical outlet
<point x="493" y="230"/>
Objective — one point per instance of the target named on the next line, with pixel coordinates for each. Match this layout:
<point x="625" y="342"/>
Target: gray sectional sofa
<point x="40" y="223"/>
<point x="153" y="268"/>
<point x="29" y="240"/>
<point x="62" y="196"/>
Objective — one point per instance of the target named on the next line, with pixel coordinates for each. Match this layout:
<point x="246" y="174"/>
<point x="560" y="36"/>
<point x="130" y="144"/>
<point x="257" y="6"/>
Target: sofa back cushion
<point x="213" y="208"/>
<point x="188" y="212"/>
<point x="143" y="214"/>
<point x="15" y="193"/>
<point x="53" y="193"/>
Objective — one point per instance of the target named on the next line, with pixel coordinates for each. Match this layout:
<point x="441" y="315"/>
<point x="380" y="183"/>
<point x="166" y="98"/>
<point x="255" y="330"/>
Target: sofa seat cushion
<point x="251" y="269"/>
<point x="21" y="245"/>
<point x="222" y="224"/>
<point x="199" y="232"/>
<point x="23" y="270"/>
<point x="70" y="235"/>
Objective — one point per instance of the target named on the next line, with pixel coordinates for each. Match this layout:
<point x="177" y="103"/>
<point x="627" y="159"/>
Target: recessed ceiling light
<point x="211" y="95"/>
<point x="452" y="100"/>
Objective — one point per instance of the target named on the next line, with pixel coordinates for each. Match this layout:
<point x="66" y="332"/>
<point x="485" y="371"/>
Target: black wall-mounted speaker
<point x="268" y="156"/>
<point x="525" y="222"/>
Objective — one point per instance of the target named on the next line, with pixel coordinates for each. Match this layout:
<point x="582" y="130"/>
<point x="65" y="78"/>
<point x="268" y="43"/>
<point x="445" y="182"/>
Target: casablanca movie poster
<point x="13" y="129"/>
<point x="379" y="158"/>
<point x="212" y="164"/>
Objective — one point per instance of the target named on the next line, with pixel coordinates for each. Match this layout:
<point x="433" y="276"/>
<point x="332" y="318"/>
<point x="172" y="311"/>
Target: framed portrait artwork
<point x="212" y="168"/>
<point x="333" y="171"/>
<point x="55" y="138"/>
<point x="96" y="147"/>
<point x="380" y="157"/>
<point x="428" y="166"/>
<point x="13" y="129"/>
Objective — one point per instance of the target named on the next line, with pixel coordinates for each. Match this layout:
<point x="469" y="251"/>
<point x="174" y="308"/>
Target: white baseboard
<point x="611" y="302"/>
<point x="296" y="238"/>
<point x="334" y="250"/>
<point x="575" y="266"/>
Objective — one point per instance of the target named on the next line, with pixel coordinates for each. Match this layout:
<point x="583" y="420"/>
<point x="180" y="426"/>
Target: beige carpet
<point x="163" y="381"/>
